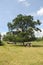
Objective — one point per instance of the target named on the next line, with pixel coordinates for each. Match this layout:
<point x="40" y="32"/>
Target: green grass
<point x="37" y="43"/>
<point x="18" y="55"/>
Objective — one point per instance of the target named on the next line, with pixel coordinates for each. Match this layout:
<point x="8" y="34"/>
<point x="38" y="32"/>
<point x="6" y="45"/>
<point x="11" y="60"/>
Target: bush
<point x="1" y="43"/>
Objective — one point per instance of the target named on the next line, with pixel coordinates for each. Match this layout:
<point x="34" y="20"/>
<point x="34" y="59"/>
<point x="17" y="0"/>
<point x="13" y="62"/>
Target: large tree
<point x="27" y="25"/>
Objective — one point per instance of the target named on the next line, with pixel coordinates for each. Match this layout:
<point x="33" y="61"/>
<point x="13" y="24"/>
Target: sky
<point x="9" y="9"/>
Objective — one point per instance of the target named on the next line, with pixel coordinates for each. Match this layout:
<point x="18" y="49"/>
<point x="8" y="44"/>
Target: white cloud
<point x="24" y="2"/>
<point x="3" y="33"/>
<point x="40" y="12"/>
<point x="21" y="0"/>
<point x="39" y="34"/>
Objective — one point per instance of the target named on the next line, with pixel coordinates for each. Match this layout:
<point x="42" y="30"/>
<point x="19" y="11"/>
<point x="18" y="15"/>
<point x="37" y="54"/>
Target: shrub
<point x="1" y="43"/>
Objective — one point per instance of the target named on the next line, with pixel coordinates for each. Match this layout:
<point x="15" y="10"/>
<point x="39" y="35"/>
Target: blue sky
<point x="9" y="9"/>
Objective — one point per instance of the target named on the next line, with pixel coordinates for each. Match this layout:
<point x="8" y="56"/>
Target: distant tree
<point x="0" y="37"/>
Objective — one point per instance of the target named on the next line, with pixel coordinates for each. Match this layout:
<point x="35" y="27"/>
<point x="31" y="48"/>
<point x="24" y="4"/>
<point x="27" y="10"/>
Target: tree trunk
<point x="23" y="43"/>
<point x="29" y="44"/>
<point x="15" y="42"/>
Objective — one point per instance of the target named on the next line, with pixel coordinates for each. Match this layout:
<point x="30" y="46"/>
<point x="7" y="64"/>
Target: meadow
<point x="20" y="55"/>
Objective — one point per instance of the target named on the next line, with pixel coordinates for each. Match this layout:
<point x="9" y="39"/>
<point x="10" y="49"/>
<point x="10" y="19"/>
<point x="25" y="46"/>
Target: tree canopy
<point x="24" y="22"/>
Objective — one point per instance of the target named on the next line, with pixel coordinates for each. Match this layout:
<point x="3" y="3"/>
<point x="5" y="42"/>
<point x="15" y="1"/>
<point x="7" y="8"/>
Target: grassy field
<point x="18" y="55"/>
